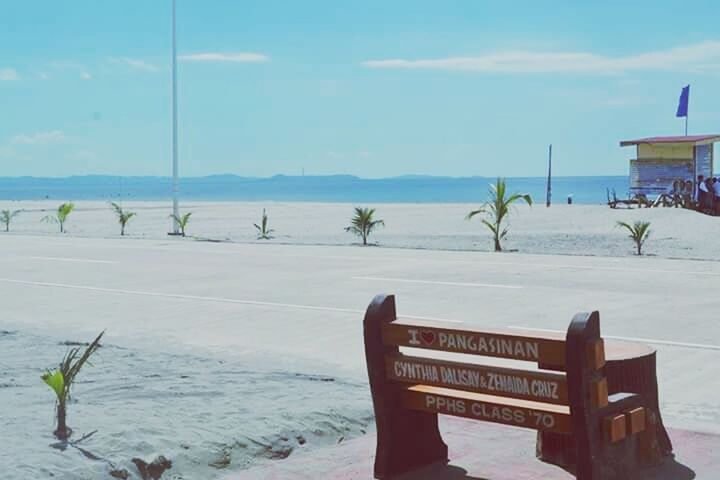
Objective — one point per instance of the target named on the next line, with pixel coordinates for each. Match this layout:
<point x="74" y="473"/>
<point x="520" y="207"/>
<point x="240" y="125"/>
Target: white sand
<point x="561" y="229"/>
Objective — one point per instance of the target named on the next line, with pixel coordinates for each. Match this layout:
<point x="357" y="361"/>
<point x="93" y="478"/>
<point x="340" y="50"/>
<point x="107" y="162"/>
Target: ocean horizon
<point x="330" y="188"/>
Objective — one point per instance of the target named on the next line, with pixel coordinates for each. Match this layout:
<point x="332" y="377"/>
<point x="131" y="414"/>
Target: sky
<point x="371" y="88"/>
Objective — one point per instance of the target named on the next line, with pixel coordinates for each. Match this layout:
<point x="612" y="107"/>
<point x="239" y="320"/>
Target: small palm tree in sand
<point x="6" y="217"/>
<point x="122" y="216"/>
<point x="264" y="233"/>
<point x="497" y="208"/>
<point x="363" y="223"/>
<point x="639" y="232"/>
<point x="61" y="215"/>
<point x="181" y="221"/>
<point x="61" y="380"/>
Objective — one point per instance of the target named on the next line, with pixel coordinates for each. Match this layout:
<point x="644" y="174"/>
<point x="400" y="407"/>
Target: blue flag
<point x="683" y="105"/>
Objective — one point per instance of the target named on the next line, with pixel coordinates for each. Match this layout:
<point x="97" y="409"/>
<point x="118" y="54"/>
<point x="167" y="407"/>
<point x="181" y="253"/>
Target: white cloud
<point x="135" y="63"/>
<point x="240" y="57"/>
<point x="85" y="75"/>
<point x="39" y="138"/>
<point x="8" y="74"/>
<point x="701" y="57"/>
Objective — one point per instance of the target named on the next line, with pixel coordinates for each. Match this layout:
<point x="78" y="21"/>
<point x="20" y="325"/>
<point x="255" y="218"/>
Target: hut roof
<point x="693" y="139"/>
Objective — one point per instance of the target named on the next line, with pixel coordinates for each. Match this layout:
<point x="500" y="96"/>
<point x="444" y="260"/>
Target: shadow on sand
<point x="668" y="470"/>
<point x="439" y="472"/>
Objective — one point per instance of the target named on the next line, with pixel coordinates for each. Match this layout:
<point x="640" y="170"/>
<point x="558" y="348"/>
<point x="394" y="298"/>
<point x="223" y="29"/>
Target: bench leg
<point x="406" y="439"/>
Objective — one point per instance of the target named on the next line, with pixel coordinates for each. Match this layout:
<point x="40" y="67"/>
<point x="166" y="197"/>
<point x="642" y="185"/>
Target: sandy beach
<point x="224" y="356"/>
<point x="561" y="229"/>
<point x="150" y="329"/>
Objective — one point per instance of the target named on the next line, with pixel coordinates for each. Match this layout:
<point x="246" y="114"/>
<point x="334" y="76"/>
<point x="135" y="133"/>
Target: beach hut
<point x="659" y="161"/>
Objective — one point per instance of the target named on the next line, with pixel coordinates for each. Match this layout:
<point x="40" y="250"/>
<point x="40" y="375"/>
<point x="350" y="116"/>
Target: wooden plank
<point x="620" y="350"/>
<point x="545" y="350"/>
<point x="635" y="420"/>
<point x="596" y="354"/>
<point x="489" y="408"/>
<point x="614" y="427"/>
<point x="599" y="393"/>
<point x="506" y="382"/>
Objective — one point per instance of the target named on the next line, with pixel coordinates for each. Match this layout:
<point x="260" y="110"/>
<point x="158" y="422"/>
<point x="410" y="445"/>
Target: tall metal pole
<point x="175" y="186"/>
<point x="549" y="180"/>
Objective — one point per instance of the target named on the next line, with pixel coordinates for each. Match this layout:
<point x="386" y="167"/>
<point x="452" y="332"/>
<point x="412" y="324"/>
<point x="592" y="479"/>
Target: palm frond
<point x="519" y="196"/>
<point x="363" y="223"/>
<point x="61" y="381"/>
<point x="491" y="226"/>
<point x="181" y="221"/>
<point x="497" y="208"/>
<point x="122" y="216"/>
<point x="74" y="367"/>
<point x="6" y="217"/>
<point x="638" y="232"/>
<point x="56" y="381"/>
<point x="472" y="213"/>
<point x="64" y="210"/>
<point x="264" y="233"/>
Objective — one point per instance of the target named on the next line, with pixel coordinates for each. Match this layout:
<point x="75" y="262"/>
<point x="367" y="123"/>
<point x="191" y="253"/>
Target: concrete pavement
<point x="480" y="451"/>
<point x="304" y="304"/>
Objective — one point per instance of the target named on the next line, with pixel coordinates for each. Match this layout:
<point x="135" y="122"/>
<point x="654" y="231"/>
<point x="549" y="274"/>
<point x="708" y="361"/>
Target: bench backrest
<point x="570" y="399"/>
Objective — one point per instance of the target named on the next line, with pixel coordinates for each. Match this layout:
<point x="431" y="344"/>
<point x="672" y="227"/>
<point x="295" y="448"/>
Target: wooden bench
<point x="410" y="391"/>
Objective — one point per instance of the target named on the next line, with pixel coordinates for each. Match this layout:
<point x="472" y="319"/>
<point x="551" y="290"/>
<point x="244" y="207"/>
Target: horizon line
<point x="409" y="176"/>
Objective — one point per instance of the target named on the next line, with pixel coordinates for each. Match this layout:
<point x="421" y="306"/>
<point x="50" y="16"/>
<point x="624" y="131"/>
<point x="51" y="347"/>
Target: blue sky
<point x="372" y="88"/>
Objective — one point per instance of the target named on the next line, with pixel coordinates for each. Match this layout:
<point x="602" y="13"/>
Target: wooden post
<point x="583" y="332"/>
<point x="406" y="439"/>
<point x="604" y="449"/>
<point x="549" y="179"/>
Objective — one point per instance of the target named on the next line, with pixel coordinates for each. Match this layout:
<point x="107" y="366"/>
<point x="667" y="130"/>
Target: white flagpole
<point x="176" y="211"/>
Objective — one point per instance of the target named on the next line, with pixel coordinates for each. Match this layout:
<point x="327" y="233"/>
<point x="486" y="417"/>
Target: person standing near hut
<point x="716" y="190"/>
<point x="688" y="194"/>
<point x="700" y="192"/>
<point x="709" y="196"/>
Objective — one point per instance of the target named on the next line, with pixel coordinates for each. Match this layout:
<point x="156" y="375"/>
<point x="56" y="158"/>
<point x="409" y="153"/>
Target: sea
<point x="331" y="188"/>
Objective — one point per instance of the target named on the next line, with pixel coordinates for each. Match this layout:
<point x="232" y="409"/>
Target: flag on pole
<point x="682" y="110"/>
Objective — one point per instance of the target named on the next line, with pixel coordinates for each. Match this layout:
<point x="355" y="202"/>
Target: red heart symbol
<point x="428" y="337"/>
